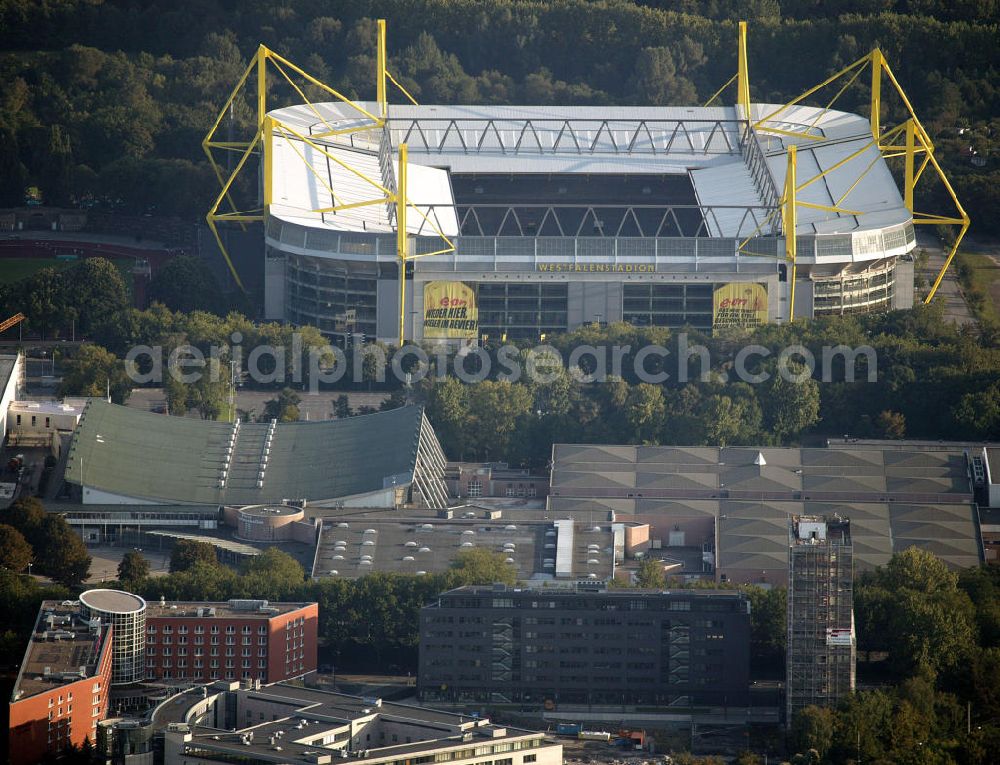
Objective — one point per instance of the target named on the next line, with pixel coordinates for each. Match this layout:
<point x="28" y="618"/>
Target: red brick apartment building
<point x="238" y="640"/>
<point x="61" y="692"/>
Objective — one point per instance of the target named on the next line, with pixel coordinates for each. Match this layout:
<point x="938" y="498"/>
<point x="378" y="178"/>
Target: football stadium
<point x="488" y="223"/>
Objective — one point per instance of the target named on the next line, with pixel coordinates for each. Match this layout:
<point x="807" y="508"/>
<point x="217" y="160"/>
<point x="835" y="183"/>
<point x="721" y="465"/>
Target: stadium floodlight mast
<point x="916" y="141"/>
<point x="390" y="190"/>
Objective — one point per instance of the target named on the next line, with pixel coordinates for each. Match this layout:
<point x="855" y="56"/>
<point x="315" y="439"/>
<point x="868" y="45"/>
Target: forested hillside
<point x="106" y="102"/>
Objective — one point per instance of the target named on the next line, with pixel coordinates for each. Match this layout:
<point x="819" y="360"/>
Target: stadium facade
<point x="564" y="216"/>
<point x="486" y="223"/>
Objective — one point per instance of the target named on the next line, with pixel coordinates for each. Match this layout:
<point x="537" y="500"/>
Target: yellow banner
<point x="739" y="304"/>
<point x="450" y="311"/>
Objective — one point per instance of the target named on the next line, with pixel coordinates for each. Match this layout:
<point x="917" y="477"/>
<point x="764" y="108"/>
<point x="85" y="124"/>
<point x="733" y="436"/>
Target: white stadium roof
<point x="703" y="142"/>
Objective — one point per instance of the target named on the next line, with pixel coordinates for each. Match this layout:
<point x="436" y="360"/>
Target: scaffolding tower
<point x="822" y="649"/>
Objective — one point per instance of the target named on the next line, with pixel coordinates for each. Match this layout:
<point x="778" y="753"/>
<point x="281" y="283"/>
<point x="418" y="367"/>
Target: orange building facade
<point x="62" y="689"/>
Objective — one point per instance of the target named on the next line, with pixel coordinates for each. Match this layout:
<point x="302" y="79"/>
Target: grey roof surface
<point x="227" y="545"/>
<point x="177" y="460"/>
<point x="7" y="362"/>
<point x="112" y="601"/>
<point x="185" y="609"/>
<point x="78" y="646"/>
<point x="894" y="498"/>
<point x="429" y="545"/>
<point x="303" y="717"/>
<point x="675" y="472"/>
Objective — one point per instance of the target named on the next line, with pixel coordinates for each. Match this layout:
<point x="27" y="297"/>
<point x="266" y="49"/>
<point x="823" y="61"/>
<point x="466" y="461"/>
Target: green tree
<point x="729" y="420"/>
<point x="202" y="580"/>
<point x="891" y="424"/>
<point x="208" y="394"/>
<point x="985" y="683"/>
<point x="134" y="568"/>
<point x="11" y="169"/>
<point x="789" y="407"/>
<point x="447" y="405"/>
<point x="274" y="572"/>
<point x="979" y="412"/>
<point x="768" y="624"/>
<point x="644" y="412"/>
<point x="982" y="585"/>
<point x="94" y="371"/>
<point x="813" y="728"/>
<point x="496" y="411"/>
<point x="187" y="552"/>
<point x="46" y="300"/>
<point x="56" y="167"/>
<point x="656" y="81"/>
<point x="341" y="407"/>
<point x="26" y="515"/>
<point x="60" y="552"/>
<point x="98" y="293"/>
<point x="481" y="566"/>
<point x="283" y="408"/>
<point x="185" y="283"/>
<point x="15" y="552"/>
<point x="650" y="575"/>
<point x="913" y="609"/>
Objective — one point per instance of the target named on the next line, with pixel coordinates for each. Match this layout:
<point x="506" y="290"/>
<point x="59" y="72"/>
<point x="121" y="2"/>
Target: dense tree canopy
<point x="102" y="106"/>
<point x="56" y="549"/>
<point x="913" y="609"/>
<point x="94" y="371"/>
<point x="187" y="553"/>
<point x="133" y="568"/>
<point x="185" y="283"/>
<point x="15" y="552"/>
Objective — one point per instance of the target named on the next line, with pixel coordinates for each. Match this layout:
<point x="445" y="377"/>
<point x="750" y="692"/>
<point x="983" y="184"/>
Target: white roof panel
<point x="704" y="142"/>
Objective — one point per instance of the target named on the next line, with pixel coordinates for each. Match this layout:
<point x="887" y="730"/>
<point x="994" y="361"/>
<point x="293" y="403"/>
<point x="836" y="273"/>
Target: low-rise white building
<point x="290" y="724"/>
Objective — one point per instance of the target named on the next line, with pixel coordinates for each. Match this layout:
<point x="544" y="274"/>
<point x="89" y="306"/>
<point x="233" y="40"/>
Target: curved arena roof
<point x="120" y="454"/>
<point x="736" y="174"/>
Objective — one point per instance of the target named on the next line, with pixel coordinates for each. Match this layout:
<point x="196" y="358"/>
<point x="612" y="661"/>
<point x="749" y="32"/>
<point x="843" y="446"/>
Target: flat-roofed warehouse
<point x="734" y="503"/>
<point x="535" y="548"/>
<point x="120" y="455"/>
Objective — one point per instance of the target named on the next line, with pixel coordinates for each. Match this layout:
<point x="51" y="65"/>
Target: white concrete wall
<point x="33" y="420"/>
<point x="10" y="391"/>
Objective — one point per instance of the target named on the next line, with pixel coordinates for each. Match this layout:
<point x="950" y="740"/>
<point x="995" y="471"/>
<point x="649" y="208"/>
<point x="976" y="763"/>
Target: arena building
<point x="479" y="223"/>
<point x="123" y="456"/>
<point x="563" y="216"/>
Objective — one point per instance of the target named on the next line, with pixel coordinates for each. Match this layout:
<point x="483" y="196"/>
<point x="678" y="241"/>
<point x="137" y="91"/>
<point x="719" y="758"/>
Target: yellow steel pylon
<point x="915" y="138"/>
<point x="264" y="62"/>
<point x="742" y="72"/>
<point x="788" y="212"/>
